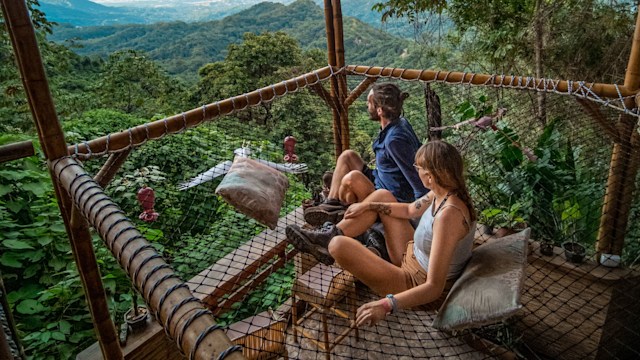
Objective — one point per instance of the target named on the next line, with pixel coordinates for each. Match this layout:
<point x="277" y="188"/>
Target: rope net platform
<point x="549" y="171"/>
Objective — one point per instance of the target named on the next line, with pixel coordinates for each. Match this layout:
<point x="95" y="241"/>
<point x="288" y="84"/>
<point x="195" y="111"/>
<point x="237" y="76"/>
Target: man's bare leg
<point x="348" y="161"/>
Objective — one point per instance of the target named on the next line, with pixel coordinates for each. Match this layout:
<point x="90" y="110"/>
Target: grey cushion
<point x="489" y="289"/>
<point x="255" y="190"/>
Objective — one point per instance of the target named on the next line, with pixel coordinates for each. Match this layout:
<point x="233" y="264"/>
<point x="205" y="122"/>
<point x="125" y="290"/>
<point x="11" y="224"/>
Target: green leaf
<point x="56" y="335"/>
<point x="10" y="259"/>
<point x="37" y="189"/>
<point x="17" y="245"/>
<point x="4" y="189"/>
<point x="45" y="240"/>
<point x="15" y="206"/>
<point x="65" y="327"/>
<point x="75" y="338"/>
<point x="58" y="227"/>
<point x="29" y="307"/>
<point x="45" y="336"/>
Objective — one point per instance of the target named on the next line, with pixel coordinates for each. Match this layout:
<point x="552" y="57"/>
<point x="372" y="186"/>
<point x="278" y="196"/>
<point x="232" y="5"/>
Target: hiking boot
<point x="332" y="210"/>
<point x="313" y="242"/>
<point x="376" y="242"/>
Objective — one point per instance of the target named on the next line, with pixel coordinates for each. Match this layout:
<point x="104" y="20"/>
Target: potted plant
<point x="506" y="222"/>
<point x="574" y="252"/>
<point x="546" y="248"/>
<point x="136" y="317"/>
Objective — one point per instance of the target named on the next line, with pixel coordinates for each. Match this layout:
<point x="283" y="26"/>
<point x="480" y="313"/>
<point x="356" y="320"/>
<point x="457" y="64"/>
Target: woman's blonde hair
<point x="444" y="162"/>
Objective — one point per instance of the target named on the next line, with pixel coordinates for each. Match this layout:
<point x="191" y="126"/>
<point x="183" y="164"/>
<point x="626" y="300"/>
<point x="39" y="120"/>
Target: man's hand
<point x="371" y="313"/>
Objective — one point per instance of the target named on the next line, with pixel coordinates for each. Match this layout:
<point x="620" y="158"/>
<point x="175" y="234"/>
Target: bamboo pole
<point x="331" y="57"/>
<point x="5" y="348"/>
<point x="518" y="82"/>
<point x="51" y="137"/>
<point x="110" y="168"/>
<point x="623" y="167"/>
<point x="89" y="274"/>
<point x="319" y="90"/>
<point x="342" y="77"/>
<point x="16" y="151"/>
<point x="188" y="322"/>
<point x="607" y="126"/>
<point x="362" y="87"/>
<point x="82" y="249"/>
<point x="154" y="130"/>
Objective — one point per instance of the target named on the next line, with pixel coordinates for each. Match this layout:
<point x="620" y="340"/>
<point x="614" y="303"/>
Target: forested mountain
<point x="106" y="12"/>
<point x="182" y="47"/>
<point x="86" y="13"/>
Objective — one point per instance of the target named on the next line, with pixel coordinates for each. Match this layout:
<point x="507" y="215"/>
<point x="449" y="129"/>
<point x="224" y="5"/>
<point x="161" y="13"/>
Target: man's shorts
<point x="368" y="172"/>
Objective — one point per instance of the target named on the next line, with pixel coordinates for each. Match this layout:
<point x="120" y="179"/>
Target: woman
<point x="443" y="238"/>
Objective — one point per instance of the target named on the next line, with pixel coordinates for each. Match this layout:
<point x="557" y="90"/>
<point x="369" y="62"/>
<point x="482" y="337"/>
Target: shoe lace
<point x="326" y="227"/>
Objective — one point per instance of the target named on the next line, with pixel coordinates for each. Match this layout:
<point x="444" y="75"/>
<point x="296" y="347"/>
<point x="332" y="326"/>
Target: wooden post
<point x="625" y="161"/>
<point x="16" y="151"/>
<point x="342" y="77"/>
<point x="35" y="83"/>
<point x="331" y="57"/>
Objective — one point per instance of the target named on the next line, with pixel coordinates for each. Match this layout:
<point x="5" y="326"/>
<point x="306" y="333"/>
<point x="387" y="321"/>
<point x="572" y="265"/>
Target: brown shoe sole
<point x="317" y="217"/>
<point x="300" y="242"/>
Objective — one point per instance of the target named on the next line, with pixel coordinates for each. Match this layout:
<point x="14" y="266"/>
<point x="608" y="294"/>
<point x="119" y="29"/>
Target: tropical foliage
<point x="123" y="83"/>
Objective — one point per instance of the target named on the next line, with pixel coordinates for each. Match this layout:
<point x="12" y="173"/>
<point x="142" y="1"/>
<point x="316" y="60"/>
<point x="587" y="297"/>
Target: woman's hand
<point x="355" y="209"/>
<point x="370" y="313"/>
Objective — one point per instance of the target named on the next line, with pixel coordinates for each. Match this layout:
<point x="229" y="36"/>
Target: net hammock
<point x="549" y="174"/>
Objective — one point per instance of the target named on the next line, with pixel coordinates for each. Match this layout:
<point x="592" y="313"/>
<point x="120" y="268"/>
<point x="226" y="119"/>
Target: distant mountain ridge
<point x="88" y="13"/>
<point x="182" y="48"/>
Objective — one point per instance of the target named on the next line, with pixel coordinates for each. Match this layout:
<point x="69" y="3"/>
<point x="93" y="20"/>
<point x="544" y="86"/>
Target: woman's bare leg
<point x="379" y="275"/>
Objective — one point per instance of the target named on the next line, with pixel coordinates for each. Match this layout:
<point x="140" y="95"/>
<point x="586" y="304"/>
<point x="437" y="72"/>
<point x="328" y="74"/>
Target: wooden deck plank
<point x="228" y="273"/>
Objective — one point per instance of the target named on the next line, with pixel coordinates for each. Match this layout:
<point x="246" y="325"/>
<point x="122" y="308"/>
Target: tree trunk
<point x="541" y="112"/>
<point x="434" y="113"/>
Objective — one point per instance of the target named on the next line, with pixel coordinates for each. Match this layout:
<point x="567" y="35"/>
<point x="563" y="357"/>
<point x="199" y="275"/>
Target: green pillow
<point x="255" y="190"/>
<point x="489" y="289"/>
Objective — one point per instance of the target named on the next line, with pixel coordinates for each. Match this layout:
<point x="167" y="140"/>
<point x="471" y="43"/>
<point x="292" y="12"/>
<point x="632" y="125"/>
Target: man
<point x="395" y="148"/>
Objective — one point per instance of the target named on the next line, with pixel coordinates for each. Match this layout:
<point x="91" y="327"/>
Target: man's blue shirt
<point x="395" y="149"/>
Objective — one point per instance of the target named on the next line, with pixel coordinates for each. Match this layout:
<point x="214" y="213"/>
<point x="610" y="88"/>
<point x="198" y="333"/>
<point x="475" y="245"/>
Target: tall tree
<point x="135" y="84"/>
<point x="258" y="61"/>
<point x="14" y="108"/>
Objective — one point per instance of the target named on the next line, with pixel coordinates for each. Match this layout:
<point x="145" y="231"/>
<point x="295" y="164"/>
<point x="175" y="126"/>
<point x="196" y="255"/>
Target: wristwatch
<point x="394" y="303"/>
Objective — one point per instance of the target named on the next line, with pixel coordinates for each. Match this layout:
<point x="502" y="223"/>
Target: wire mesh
<point x="523" y="169"/>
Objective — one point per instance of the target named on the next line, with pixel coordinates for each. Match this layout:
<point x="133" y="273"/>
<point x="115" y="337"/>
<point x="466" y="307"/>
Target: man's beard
<point x="373" y="115"/>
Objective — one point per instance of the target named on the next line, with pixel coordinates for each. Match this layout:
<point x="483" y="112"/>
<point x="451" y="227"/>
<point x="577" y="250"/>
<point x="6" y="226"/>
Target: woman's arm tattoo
<point x="380" y="208"/>
<point x="419" y="203"/>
